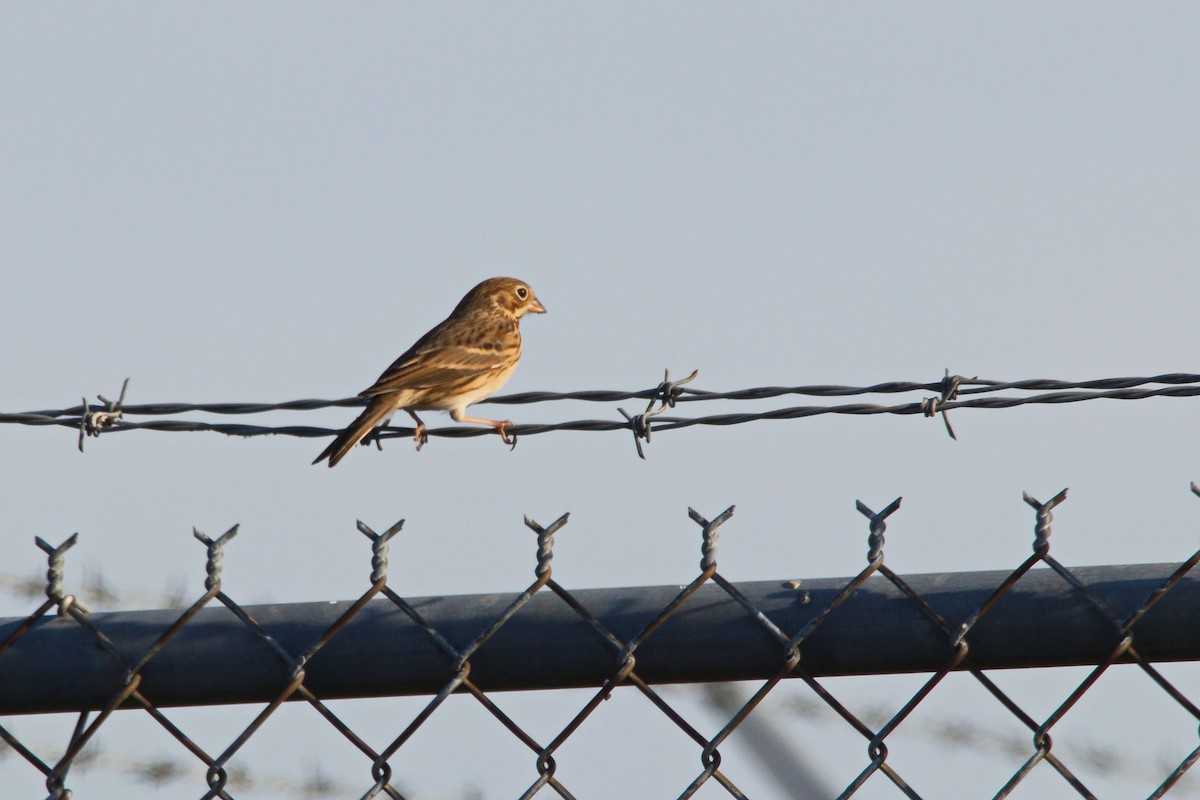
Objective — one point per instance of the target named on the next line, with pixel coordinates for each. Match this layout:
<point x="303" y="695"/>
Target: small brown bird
<point x="464" y="359"/>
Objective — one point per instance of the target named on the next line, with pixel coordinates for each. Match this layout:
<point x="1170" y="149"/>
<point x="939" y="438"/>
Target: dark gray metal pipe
<point x="215" y="659"/>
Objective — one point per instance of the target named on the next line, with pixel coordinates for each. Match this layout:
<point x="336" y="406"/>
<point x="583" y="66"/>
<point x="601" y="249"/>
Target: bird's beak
<point x="536" y="307"/>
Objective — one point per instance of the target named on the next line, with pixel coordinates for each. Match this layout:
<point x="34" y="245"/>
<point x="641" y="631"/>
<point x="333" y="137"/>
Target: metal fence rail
<point x="216" y="659"/>
<point x="218" y="651"/>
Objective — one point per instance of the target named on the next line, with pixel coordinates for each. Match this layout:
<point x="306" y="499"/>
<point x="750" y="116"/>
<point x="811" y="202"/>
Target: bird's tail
<point x="381" y="407"/>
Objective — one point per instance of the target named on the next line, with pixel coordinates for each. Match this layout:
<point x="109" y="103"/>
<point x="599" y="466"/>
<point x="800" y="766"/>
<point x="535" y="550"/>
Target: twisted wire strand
<point x="969" y="386"/>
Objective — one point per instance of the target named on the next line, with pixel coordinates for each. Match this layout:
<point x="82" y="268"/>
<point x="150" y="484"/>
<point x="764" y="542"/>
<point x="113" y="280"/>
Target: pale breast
<point x="460" y="393"/>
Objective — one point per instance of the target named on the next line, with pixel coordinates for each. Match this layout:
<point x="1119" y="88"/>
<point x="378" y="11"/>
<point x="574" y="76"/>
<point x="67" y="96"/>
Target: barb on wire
<point x="934" y="405"/>
<point x="667" y="395"/>
<point x="96" y="422"/>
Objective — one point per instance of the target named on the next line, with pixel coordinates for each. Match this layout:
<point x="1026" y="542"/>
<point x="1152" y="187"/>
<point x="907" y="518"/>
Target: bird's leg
<point x="419" y="436"/>
<point x="373" y="436"/>
<point x="459" y="415"/>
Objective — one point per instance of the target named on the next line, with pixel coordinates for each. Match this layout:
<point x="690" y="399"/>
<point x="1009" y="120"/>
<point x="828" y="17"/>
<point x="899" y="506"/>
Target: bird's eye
<point x="522" y="293"/>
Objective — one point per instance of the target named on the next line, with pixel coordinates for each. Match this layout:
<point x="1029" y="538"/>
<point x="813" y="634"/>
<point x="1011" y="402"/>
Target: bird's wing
<point x="435" y="366"/>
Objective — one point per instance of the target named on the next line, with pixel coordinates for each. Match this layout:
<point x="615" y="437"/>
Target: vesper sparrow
<point x="464" y="359"/>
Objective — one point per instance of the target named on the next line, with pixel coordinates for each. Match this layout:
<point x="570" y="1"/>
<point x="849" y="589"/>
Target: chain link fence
<point x="64" y="658"/>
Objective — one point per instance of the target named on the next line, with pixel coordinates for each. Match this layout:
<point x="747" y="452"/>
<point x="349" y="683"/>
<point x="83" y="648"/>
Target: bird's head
<point x="510" y="296"/>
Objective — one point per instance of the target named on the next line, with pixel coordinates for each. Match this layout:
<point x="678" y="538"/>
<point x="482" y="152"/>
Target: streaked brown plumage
<point x="464" y="359"/>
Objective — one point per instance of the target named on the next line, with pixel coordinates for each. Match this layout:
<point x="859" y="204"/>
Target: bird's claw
<point x="420" y="437"/>
<point x="501" y="429"/>
<point x="373" y="438"/>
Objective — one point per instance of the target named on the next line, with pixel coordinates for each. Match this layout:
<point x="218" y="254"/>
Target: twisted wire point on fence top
<point x="56" y="561"/>
<point x="379" y="548"/>
<point x="709" y="533"/>
<point x="1044" y="516"/>
<point x="877" y="526"/>
<point x="545" y="551"/>
<point x="216" y="552"/>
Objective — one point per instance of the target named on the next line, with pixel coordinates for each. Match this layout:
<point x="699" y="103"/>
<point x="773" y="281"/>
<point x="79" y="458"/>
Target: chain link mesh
<point x="296" y="684"/>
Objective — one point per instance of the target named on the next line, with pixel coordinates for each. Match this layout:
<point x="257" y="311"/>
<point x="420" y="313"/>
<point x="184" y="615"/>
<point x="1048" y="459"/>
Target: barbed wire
<point x="951" y="392"/>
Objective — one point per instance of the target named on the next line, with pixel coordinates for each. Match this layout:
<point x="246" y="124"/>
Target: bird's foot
<point x="505" y="436"/>
<point x="420" y="436"/>
<point x="373" y="438"/>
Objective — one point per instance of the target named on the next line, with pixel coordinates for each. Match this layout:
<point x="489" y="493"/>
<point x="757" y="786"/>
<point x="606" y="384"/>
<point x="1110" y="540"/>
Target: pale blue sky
<point x="261" y="203"/>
